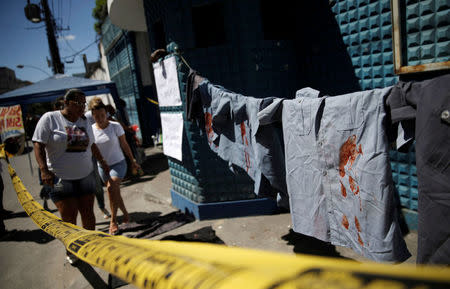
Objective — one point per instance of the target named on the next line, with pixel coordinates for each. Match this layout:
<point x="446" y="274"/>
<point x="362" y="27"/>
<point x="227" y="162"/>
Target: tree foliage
<point x="99" y="12"/>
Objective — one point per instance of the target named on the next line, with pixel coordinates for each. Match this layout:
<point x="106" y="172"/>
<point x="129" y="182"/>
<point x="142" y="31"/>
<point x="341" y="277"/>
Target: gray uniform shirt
<point x="233" y="132"/>
<point x="338" y="173"/>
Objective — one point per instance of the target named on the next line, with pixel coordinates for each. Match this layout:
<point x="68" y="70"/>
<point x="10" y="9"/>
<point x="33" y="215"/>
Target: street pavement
<point x="29" y="258"/>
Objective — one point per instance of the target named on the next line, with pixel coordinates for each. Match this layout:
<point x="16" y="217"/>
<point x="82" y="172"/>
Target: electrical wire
<point x="32" y="28"/>
<point x="75" y="54"/>
<point x="68" y="44"/>
<point x="60" y="8"/>
<point x="70" y="12"/>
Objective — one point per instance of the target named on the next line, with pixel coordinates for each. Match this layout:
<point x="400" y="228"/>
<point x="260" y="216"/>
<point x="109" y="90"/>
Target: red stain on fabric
<point x="358" y="226"/>
<point x="355" y="190"/>
<point x="351" y="181"/>
<point x="360" y="240"/>
<point x="343" y="190"/>
<point x="360" y="202"/>
<point x="353" y="185"/>
<point x="245" y="142"/>
<point x="243" y="134"/>
<point x="247" y="161"/>
<point x="208" y="127"/>
<point x="345" y="221"/>
<point x="348" y="154"/>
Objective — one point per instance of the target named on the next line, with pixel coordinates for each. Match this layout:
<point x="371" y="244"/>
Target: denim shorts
<point x="116" y="170"/>
<point x="65" y="189"/>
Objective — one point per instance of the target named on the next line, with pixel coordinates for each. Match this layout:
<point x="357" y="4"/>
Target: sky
<point x="23" y="42"/>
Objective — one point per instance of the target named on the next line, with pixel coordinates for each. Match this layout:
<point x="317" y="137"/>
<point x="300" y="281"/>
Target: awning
<point x="55" y="86"/>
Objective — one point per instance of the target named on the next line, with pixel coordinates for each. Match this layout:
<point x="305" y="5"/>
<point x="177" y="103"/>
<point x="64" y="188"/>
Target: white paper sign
<point x="172" y="131"/>
<point x="166" y="79"/>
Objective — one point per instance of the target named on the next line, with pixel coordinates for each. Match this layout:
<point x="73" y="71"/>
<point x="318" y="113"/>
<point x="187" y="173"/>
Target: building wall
<point x="102" y="73"/>
<point x="149" y="110"/>
<point x="8" y="80"/>
<point x="121" y="66"/>
<point x="366" y="28"/>
<point x="304" y="49"/>
<point x="273" y="48"/>
<point x="128" y="56"/>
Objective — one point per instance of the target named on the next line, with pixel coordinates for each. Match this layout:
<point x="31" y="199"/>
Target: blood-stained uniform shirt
<point x="338" y="173"/>
<point x="233" y="132"/>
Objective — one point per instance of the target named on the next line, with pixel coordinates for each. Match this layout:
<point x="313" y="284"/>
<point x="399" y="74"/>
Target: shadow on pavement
<point x="115" y="282"/>
<point x="205" y="235"/>
<point x="153" y="165"/>
<point x="21" y="215"/>
<point x="37" y="236"/>
<point x="135" y="217"/>
<point x="27" y="150"/>
<point x="147" y="225"/>
<point x="135" y="180"/>
<point x="91" y="275"/>
<point x="308" y="245"/>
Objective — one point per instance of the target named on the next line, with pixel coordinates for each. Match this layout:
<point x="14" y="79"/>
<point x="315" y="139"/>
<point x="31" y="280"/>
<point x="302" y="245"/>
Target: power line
<point x="60" y="12"/>
<point x="70" y="12"/>
<point x="75" y="54"/>
<point x="32" y="28"/>
<point x="70" y="46"/>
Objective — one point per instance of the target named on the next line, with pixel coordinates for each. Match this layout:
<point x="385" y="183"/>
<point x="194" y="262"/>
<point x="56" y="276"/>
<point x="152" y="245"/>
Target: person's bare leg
<point x="86" y="208"/>
<point x="113" y="193"/>
<point x="68" y="209"/>
<point x="120" y="202"/>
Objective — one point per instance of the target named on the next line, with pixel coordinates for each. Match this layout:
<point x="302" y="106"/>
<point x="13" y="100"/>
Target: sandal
<point x="113" y="229"/>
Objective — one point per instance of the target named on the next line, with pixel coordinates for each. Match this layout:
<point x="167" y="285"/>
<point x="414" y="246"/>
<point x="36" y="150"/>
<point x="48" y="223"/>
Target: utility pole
<point x="32" y="12"/>
<point x="58" y="66"/>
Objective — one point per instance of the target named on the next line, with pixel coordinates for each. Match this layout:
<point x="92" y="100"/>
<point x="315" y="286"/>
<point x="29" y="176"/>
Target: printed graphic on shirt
<point x="77" y="139"/>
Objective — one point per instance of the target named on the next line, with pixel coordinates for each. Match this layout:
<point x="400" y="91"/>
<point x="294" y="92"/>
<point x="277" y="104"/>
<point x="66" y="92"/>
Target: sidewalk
<point x="31" y="259"/>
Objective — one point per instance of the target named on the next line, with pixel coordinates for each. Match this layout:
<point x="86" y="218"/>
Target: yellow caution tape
<point x="152" y="101"/>
<point x="170" y="264"/>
